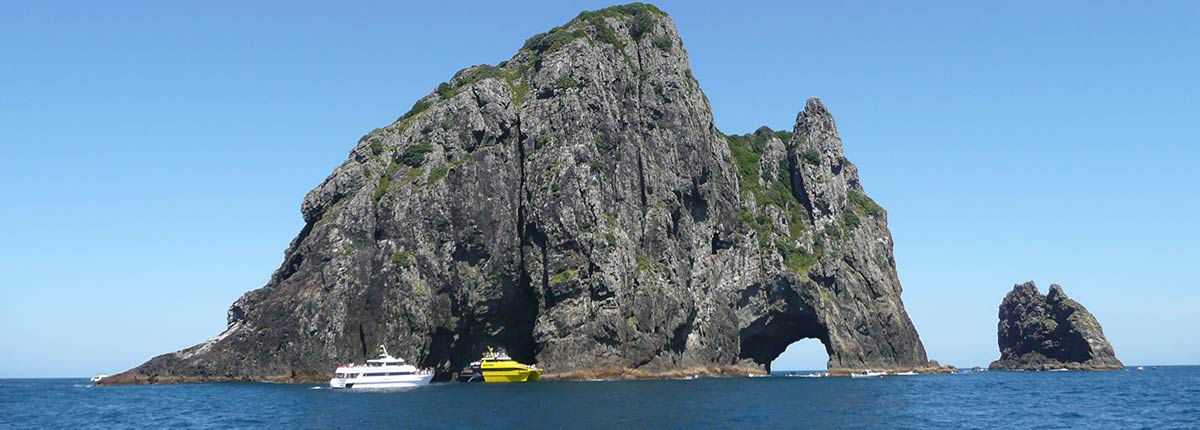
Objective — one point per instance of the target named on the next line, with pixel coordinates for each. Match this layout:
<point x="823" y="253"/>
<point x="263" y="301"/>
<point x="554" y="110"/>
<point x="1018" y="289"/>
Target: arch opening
<point x="772" y="338"/>
<point x="802" y="355"/>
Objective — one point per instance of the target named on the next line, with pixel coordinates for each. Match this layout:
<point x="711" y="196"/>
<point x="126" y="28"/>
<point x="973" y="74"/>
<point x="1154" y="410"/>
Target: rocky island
<point x="577" y="206"/>
<point x="1050" y="332"/>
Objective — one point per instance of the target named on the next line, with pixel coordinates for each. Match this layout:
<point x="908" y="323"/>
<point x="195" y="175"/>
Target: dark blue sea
<point x="1168" y="398"/>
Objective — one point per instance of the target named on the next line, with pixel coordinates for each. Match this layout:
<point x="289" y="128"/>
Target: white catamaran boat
<point x="98" y="377"/>
<point x="383" y="372"/>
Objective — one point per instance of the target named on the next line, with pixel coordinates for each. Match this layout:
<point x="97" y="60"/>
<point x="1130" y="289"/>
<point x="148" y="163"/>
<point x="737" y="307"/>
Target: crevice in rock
<point x="547" y="295"/>
<point x="362" y="341"/>
<point x="641" y="147"/>
<point x="797" y="177"/>
<point x="642" y="188"/>
<point x="521" y="341"/>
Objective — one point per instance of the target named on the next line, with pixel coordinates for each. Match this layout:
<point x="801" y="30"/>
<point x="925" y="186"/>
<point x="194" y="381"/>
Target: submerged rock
<point x="1050" y="332"/>
<point x="577" y="206"/>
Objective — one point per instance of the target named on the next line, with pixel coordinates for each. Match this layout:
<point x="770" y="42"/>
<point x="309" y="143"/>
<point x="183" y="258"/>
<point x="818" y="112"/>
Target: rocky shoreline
<point x="600" y="374"/>
<point x="933" y="369"/>
<point x="136" y="379"/>
<point x="615" y="373"/>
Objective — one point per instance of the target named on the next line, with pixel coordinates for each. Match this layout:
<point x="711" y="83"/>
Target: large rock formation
<point x="576" y="206"/>
<point x="1050" y="332"/>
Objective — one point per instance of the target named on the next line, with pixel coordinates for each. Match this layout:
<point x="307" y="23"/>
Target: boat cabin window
<point x="388" y="373"/>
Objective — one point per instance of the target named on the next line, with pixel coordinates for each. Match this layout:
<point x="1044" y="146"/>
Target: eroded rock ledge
<point x="1050" y="332"/>
<point x="577" y="206"/>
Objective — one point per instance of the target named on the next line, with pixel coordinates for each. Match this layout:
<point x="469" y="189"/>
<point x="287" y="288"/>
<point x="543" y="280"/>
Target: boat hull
<point x="365" y="383"/>
<point x="512" y="375"/>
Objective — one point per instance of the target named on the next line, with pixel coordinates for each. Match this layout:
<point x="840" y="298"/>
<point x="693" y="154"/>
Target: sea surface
<point x="1167" y="398"/>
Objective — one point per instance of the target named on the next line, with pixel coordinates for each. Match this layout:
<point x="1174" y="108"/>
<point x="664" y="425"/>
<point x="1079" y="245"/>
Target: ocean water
<point x="1168" y="398"/>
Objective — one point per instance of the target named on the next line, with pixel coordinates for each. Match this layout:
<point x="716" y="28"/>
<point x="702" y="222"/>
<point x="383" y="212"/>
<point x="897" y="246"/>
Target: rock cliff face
<point x="1050" y="332"/>
<point x="576" y="206"/>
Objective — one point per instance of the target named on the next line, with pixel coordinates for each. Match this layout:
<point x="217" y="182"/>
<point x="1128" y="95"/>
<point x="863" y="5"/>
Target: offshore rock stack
<point x="1050" y="332"/>
<point x="577" y="206"/>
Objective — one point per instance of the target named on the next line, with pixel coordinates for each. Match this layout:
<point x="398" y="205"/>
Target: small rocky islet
<point x="577" y="206"/>
<point x="1050" y="332"/>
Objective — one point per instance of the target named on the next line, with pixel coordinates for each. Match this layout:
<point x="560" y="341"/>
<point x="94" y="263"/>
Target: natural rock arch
<point x="768" y="336"/>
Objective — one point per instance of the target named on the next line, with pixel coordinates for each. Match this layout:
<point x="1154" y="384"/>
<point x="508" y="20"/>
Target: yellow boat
<point x="498" y="367"/>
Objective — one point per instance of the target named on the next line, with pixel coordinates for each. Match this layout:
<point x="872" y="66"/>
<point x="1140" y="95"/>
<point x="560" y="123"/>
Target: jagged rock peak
<point x="576" y="206"/>
<point x="1050" y="332"/>
<point x="816" y="116"/>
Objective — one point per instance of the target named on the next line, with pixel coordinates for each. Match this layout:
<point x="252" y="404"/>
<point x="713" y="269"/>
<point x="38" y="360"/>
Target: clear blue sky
<point x="155" y="153"/>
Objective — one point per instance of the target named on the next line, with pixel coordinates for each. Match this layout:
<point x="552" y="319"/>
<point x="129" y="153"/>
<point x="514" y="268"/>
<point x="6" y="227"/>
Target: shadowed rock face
<point x="576" y="206"/>
<point x="1049" y="332"/>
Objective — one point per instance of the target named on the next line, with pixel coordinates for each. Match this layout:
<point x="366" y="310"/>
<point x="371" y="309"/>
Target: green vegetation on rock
<point x="441" y="171"/>
<point x="746" y="151"/>
<point x="385" y="180"/>
<point x="413" y="174"/>
<point x="418" y="107"/>
<point x="376" y="145"/>
<point x="515" y="77"/>
<point x="564" y="82"/>
<point x="380" y="189"/>
<point x="475" y="74"/>
<point x="643" y="263"/>
<point x="664" y="42"/>
<point x="860" y="206"/>
<point x="466" y="77"/>
<point x="632" y="9"/>
<point x="797" y="259"/>
<point x="562" y="276"/>
<point x="863" y="203"/>
<point x="403" y="259"/>
<point x="550" y="41"/>
<point x="438" y="173"/>
<point x="811" y="156"/>
<point x="610" y="220"/>
<point x="850" y="219"/>
<point x="601" y="146"/>
<point x="414" y="155"/>
<point x="771" y="188"/>
<point x="642" y="24"/>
